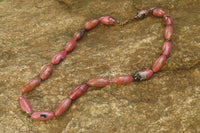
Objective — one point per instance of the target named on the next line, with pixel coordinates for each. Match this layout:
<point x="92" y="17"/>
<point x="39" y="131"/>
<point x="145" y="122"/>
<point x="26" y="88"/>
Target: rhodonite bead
<point x="70" y="45"/>
<point x="107" y="20"/>
<point x="159" y="63"/>
<point x="63" y="106"/>
<point x="59" y="56"/>
<point x="168" y="32"/>
<point x="25" y="105"/>
<point x="142" y="75"/>
<point x="30" y="85"/>
<point x="122" y="79"/>
<point x="46" y="71"/>
<point x="158" y="12"/>
<point x="91" y="24"/>
<point x="166" y="48"/>
<point x="78" y="91"/>
<point x="42" y="115"/>
<point x="151" y="9"/>
<point x="98" y="82"/>
<point x="141" y="14"/>
<point x="167" y="19"/>
<point x="79" y="34"/>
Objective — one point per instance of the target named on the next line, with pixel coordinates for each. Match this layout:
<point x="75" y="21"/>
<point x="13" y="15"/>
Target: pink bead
<point x="78" y="91"/>
<point x="141" y="14"/>
<point x="91" y="24"/>
<point x="56" y="59"/>
<point x="167" y="19"/>
<point x="25" y="105"/>
<point x="98" y="82"/>
<point x="166" y="48"/>
<point x="31" y="85"/>
<point x="46" y="72"/>
<point x="158" y="12"/>
<point x="122" y="79"/>
<point x="107" y="20"/>
<point x="159" y="63"/>
<point x="42" y="115"/>
<point x="168" y="32"/>
<point x="151" y="9"/>
<point x="142" y="75"/>
<point x="63" y="106"/>
<point x="70" y="45"/>
<point x="79" y="34"/>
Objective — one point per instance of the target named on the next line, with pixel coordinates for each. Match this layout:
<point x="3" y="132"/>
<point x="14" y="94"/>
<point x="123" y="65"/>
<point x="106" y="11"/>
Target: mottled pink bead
<point x="78" y="91"/>
<point x="98" y="82"/>
<point x="107" y="20"/>
<point x="91" y="24"/>
<point x="122" y="79"/>
<point x="42" y="115"/>
<point x="167" y="19"/>
<point x="142" y="75"/>
<point x="46" y="71"/>
<point x="70" y="45"/>
<point x="159" y="63"/>
<point x="25" y="105"/>
<point x="141" y="14"/>
<point x="158" y="12"/>
<point x="151" y="9"/>
<point x="168" y="32"/>
<point x="79" y="34"/>
<point x="166" y="48"/>
<point x="56" y="59"/>
<point x="32" y="84"/>
<point x="63" y="106"/>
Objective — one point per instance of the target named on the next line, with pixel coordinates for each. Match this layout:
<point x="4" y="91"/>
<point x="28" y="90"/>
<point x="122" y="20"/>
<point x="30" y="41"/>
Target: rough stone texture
<point x="32" y="32"/>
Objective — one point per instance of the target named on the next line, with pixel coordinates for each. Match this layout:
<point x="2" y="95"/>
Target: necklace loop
<point x="96" y="82"/>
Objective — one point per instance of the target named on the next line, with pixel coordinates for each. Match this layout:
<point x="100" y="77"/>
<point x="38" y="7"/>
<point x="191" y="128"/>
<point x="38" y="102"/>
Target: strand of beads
<point x="96" y="82"/>
<point x="166" y="48"/>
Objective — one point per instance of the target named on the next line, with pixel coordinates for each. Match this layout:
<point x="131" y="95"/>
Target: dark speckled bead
<point x="141" y="14"/>
<point x="42" y="115"/>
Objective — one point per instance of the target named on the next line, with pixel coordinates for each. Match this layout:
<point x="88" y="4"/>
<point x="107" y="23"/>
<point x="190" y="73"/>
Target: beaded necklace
<point x="96" y="82"/>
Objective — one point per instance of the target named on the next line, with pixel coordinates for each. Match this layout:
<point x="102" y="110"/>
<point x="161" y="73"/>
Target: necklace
<point x="96" y="82"/>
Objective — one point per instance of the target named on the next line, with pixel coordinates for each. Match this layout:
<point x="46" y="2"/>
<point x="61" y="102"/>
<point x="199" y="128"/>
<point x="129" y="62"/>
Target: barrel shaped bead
<point x="142" y="75"/>
<point x="167" y="19"/>
<point x="58" y="57"/>
<point x="151" y="9"/>
<point x="63" y="106"/>
<point x="107" y="20"/>
<point x="79" y="34"/>
<point x="25" y="105"/>
<point x="122" y="79"/>
<point x="78" y="91"/>
<point x="141" y="14"/>
<point x="42" y="115"/>
<point x="32" y="84"/>
<point x="158" y="12"/>
<point x="166" y="48"/>
<point x="168" y="32"/>
<point x="91" y="24"/>
<point x="46" y="71"/>
<point x="159" y="63"/>
<point x="70" y="45"/>
<point x="98" y="82"/>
